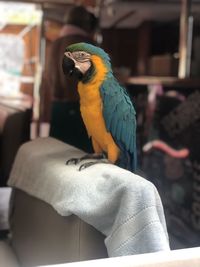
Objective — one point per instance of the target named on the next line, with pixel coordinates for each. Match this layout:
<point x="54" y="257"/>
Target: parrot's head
<point x="79" y="61"/>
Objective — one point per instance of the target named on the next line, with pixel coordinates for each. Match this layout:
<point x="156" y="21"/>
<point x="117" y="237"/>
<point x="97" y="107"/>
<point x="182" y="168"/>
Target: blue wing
<point x="120" y="119"/>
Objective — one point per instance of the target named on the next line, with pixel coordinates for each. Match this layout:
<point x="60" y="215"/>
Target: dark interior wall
<point x="121" y="45"/>
<point x="133" y="48"/>
<point x="165" y="38"/>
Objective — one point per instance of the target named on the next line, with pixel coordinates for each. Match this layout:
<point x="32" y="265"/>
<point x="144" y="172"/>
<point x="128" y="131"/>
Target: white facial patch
<point x="81" y="60"/>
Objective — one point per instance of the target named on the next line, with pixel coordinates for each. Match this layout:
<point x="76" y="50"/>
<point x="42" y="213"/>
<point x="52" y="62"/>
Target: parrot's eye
<point x="81" y="56"/>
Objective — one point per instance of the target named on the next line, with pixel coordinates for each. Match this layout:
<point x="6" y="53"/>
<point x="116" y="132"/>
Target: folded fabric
<point x="123" y="206"/>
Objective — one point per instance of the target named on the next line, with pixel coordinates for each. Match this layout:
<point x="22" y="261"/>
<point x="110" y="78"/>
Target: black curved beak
<point x="68" y="65"/>
<point x="69" y="68"/>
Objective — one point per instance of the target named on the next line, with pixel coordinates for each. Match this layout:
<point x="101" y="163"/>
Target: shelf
<point x="165" y="81"/>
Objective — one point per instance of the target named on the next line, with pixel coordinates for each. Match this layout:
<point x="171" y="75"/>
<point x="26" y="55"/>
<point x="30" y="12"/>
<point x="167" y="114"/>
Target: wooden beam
<point x="185" y="40"/>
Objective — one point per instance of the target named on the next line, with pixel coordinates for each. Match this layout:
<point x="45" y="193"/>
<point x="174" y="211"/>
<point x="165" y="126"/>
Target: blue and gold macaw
<point x="106" y="108"/>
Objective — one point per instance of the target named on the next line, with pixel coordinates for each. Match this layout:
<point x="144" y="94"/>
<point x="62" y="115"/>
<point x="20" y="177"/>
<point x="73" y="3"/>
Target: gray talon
<point x="72" y="161"/>
<point x="86" y="165"/>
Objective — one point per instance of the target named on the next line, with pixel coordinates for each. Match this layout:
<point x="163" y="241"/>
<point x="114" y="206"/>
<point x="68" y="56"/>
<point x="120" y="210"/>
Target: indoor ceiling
<point x="139" y="11"/>
<point x="122" y="13"/>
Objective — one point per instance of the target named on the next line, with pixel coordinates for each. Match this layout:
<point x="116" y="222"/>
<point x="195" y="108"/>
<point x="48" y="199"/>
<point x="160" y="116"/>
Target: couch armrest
<point x="39" y="235"/>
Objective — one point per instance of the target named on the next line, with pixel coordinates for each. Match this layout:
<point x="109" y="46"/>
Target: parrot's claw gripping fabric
<point x="73" y="161"/>
<point x="88" y="164"/>
<point x="88" y="156"/>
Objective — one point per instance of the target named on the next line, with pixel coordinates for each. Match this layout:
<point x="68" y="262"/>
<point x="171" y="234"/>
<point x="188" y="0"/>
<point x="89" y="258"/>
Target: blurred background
<point x="155" y="51"/>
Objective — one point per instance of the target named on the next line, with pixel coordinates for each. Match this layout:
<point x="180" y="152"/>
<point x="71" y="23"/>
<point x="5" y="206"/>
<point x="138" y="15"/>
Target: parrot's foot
<point x="88" y="164"/>
<point x="73" y="161"/>
<point x="88" y="156"/>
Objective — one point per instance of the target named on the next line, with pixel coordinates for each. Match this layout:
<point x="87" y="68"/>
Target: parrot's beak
<point x="70" y="69"/>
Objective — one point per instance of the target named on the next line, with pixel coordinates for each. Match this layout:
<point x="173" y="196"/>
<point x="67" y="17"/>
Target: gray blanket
<point x="123" y="206"/>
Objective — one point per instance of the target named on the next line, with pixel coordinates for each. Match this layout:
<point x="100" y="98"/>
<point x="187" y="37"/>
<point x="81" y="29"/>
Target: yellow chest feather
<point x="91" y="107"/>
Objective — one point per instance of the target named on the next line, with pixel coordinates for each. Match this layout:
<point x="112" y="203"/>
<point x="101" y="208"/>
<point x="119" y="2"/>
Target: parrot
<point x="106" y="107"/>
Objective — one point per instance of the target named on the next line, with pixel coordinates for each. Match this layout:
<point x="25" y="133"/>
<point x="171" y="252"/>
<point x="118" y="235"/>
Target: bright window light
<point x="19" y="13"/>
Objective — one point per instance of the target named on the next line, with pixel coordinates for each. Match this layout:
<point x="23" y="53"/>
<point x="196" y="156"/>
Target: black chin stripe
<point x="89" y="74"/>
<point x="77" y="74"/>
